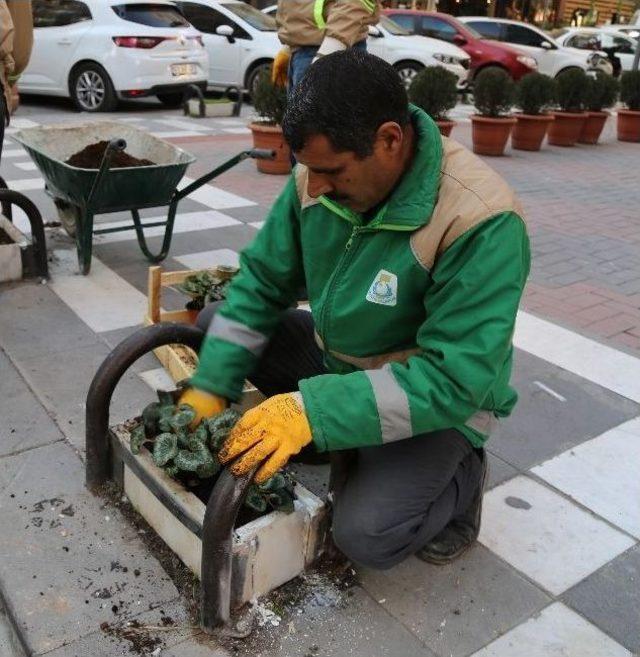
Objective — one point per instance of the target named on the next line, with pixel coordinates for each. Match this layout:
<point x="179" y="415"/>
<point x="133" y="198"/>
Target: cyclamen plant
<point x="202" y="288"/>
<point x="192" y="455"/>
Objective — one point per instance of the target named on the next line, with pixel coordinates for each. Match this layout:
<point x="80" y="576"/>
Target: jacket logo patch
<point x="384" y="289"/>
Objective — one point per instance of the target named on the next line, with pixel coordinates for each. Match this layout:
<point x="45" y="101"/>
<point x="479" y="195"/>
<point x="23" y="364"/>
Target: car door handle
<point x="64" y="42"/>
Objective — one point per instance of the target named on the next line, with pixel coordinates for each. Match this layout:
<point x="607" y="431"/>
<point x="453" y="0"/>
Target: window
<point x="624" y="46"/>
<point x="255" y="18"/>
<point x="437" y="28"/>
<point x="54" y="13"/>
<point x="523" y="36"/>
<point x="208" y="20"/>
<point x="404" y="20"/>
<point x="392" y="27"/>
<point x="151" y="15"/>
<point x="585" y="41"/>
<point x="487" y="29"/>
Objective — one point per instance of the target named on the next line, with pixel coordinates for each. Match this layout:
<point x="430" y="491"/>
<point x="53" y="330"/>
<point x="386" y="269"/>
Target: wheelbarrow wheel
<point x="67" y="214"/>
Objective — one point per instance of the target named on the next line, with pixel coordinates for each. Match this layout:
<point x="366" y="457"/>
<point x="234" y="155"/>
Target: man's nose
<point x="318" y="185"/>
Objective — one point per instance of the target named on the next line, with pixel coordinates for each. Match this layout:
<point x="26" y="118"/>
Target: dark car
<point x="483" y="52"/>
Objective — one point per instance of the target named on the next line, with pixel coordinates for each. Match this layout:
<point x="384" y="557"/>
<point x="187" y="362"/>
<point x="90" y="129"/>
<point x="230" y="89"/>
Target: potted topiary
<point x="535" y="93"/>
<point x="493" y="98"/>
<point x="629" y="119"/>
<point x="602" y="93"/>
<point x="270" y="101"/>
<point x="566" y="128"/>
<point x="434" y="90"/>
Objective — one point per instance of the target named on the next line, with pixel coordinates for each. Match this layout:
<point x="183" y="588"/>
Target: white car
<point x="241" y="41"/>
<point x="99" y="51"/>
<point x="409" y="53"/>
<point x="601" y="38"/>
<point x="552" y="58"/>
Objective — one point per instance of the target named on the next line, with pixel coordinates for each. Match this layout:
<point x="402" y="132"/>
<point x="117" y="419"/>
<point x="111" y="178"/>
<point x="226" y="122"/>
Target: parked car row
<point x="99" y="51"/>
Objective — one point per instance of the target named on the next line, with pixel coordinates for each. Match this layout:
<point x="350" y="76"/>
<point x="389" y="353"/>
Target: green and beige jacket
<point x="331" y="24"/>
<point x="414" y="310"/>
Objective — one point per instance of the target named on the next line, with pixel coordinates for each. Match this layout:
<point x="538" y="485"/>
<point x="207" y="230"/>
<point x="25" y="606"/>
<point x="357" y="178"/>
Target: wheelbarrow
<point x="107" y="458"/>
<point x="79" y="194"/>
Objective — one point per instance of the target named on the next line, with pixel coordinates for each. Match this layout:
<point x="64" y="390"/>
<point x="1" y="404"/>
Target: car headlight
<point x="529" y="62"/>
<point x="446" y="59"/>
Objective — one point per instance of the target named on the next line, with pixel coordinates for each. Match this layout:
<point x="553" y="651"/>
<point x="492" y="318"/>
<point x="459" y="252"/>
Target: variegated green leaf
<point x="165" y="448"/>
<point x="183" y="416"/>
<point x="189" y="461"/>
<point x="219" y="427"/>
<point x="209" y="469"/>
<point x="137" y="437"/>
<point x="273" y="483"/>
<point x="150" y="417"/>
<point x="165" y="398"/>
<point x="255" y="500"/>
<point x="201" y="434"/>
<point x="172" y="470"/>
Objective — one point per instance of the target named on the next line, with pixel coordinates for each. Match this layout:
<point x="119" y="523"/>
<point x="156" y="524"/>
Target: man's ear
<point x="390" y="135"/>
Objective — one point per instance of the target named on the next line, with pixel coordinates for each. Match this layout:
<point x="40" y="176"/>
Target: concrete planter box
<point x="11" y="255"/>
<point x="224" y="108"/>
<point x="267" y="552"/>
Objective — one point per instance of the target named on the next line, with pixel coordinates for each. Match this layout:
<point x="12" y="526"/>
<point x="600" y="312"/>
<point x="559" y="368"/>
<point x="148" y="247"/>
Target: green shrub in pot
<point x="435" y="90"/>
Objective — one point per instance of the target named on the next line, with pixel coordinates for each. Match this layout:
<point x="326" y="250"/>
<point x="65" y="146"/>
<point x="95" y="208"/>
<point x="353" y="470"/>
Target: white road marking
<point x="549" y="391"/>
<point x="26" y="166"/>
<point x="207" y="259"/>
<point x="184" y="124"/>
<point x="215" y="198"/>
<point x="158" y="379"/>
<point x="26" y="184"/>
<point x="103" y="300"/>
<point x="185" y="222"/>
<point x="257" y="224"/>
<point x="606" y="366"/>
<point x="168" y="134"/>
<point x="14" y="152"/>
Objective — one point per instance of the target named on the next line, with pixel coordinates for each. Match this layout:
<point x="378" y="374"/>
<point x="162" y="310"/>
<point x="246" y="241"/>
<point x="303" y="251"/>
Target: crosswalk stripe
<point x="14" y="152"/>
<point x="186" y="222"/>
<point x="215" y="198"/>
<point x="103" y="300"/>
<point x="26" y="166"/>
<point x="26" y="184"/>
<point x="207" y="259"/>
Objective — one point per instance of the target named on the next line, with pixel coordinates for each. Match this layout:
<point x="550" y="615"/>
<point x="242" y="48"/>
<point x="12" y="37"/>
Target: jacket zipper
<point x="345" y="258"/>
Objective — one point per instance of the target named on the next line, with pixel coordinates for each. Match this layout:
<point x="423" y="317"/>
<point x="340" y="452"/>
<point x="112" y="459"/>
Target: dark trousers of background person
<point x="395" y="497"/>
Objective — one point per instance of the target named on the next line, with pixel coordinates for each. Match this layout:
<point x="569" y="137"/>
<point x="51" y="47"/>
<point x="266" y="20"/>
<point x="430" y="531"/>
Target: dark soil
<point x="4" y="238"/>
<point x="91" y="156"/>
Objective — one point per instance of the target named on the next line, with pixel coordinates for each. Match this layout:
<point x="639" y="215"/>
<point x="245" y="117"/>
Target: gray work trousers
<point x="395" y="497"/>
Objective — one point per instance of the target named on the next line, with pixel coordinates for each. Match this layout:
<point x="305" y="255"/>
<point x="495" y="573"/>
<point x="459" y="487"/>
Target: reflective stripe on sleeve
<point x="369" y="5"/>
<point x="228" y="329"/>
<point x="392" y="403"/>
<point x="483" y="421"/>
<point x="318" y="11"/>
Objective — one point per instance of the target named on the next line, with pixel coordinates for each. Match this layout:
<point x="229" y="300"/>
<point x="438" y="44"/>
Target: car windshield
<point x="151" y="14"/>
<point x="393" y="28"/>
<point x="257" y="19"/>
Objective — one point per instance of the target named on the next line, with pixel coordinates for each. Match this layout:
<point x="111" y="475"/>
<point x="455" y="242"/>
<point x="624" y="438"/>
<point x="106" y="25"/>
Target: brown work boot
<point x="461" y="532"/>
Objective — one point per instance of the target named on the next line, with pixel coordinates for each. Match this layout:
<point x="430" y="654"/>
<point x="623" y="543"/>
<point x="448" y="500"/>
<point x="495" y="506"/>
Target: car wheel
<point x="569" y="68"/>
<point x="171" y="100"/>
<point x="91" y="89"/>
<point x="254" y="76"/>
<point x="407" y="71"/>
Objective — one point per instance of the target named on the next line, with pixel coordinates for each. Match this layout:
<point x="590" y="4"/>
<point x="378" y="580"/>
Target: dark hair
<point x="345" y="96"/>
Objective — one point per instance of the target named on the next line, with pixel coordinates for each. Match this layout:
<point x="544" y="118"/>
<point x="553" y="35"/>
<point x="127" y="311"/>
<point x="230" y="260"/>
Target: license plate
<point x="183" y="69"/>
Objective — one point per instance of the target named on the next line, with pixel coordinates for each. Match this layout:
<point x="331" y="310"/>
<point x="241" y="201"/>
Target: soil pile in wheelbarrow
<point x="90" y="157"/>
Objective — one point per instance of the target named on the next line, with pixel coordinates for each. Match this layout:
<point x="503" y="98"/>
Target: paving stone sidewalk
<point x="558" y="562"/>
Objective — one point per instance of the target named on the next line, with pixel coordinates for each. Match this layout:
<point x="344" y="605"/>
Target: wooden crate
<point x="179" y="361"/>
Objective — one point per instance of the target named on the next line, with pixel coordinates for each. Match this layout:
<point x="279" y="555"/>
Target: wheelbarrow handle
<point x="116" y="145"/>
<point x="262" y="154"/>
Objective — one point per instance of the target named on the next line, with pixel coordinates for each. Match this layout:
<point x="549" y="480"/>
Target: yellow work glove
<point x="203" y="403"/>
<point x="280" y="67"/>
<point x="275" y="430"/>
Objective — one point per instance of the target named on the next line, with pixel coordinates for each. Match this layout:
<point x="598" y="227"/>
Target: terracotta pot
<point x="530" y="130"/>
<point x="490" y="134"/>
<point x="566" y="128"/>
<point x="193" y="315"/>
<point x="593" y="127"/>
<point x="270" y="137"/>
<point x="628" y="125"/>
<point x="445" y="127"/>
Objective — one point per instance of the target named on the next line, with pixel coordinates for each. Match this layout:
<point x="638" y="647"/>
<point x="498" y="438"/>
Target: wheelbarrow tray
<point x="121" y="189"/>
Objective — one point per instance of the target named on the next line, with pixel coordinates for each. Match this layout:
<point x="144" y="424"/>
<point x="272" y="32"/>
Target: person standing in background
<point x="310" y="29"/>
<point x="16" y="41"/>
